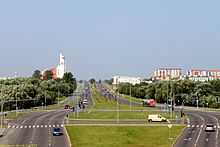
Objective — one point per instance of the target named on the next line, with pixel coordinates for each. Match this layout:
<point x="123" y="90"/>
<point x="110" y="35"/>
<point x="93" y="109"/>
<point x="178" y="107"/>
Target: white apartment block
<point x="167" y="74"/>
<point x="126" y="79"/>
<point x="203" y="75"/>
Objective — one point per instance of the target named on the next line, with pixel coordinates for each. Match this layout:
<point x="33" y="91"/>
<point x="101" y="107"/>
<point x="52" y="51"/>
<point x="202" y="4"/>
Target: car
<point x="67" y="107"/>
<point x="156" y="118"/>
<point x="210" y="128"/>
<point x="85" y="101"/>
<point x="57" y="132"/>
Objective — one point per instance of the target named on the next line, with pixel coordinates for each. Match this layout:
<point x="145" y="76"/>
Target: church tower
<point x="61" y="68"/>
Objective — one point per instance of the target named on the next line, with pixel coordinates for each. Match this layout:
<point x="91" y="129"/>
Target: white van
<point x="156" y="118"/>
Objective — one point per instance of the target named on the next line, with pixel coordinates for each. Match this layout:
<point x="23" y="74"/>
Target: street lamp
<point x="130" y="97"/>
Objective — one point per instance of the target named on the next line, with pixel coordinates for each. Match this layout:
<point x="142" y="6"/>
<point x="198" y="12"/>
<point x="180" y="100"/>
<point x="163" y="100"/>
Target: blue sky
<point x="101" y="38"/>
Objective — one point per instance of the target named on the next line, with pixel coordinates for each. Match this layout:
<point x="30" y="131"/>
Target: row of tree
<point x="182" y="92"/>
<point x="33" y="91"/>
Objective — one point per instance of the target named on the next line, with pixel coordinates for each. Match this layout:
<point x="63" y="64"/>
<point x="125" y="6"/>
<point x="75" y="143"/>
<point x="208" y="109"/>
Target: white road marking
<point x="17" y="127"/>
<point x="21" y="127"/>
<point x="37" y="126"/>
<point x="45" y="126"/>
<point x="13" y="127"/>
<point x="216" y="143"/>
<point x="41" y="126"/>
<point x="188" y="126"/>
<point x="29" y="127"/>
<point x="53" y="125"/>
<point x="25" y="127"/>
<point x="33" y="126"/>
<point x="62" y="125"/>
<point x="49" y="126"/>
<point x="58" y="125"/>
<point x="200" y="132"/>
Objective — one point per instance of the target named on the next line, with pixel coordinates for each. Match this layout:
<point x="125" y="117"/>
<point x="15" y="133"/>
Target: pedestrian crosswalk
<point x="200" y="126"/>
<point x="33" y="126"/>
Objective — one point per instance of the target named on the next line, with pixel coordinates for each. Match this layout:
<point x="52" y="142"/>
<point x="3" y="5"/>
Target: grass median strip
<point x="122" y="136"/>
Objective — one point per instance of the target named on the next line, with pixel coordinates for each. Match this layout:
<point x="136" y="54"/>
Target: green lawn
<point x="101" y="102"/>
<point x="113" y="115"/>
<point x="89" y="136"/>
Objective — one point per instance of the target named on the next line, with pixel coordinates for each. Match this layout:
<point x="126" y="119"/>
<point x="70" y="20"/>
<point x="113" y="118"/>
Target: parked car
<point x="156" y="118"/>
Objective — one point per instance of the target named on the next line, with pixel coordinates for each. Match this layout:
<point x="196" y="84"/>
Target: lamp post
<point x="130" y="97"/>
<point x="118" y="104"/>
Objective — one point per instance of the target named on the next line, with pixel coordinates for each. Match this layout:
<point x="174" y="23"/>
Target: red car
<point x="149" y="103"/>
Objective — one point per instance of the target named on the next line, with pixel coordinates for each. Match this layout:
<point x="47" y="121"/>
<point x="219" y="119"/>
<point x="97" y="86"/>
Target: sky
<point x="102" y="38"/>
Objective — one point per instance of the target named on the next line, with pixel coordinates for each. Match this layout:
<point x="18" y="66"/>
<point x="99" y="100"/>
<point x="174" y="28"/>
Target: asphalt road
<point x="195" y="135"/>
<point x="36" y="128"/>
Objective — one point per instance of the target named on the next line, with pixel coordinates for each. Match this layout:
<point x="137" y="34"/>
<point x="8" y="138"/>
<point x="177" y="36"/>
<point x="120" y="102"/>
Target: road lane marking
<point x="54" y="126"/>
<point x="62" y="125"/>
<point x="41" y="126"/>
<point x="188" y="126"/>
<point x="200" y="132"/>
<point x="45" y="126"/>
<point x="17" y="127"/>
<point x="33" y="126"/>
<point x="49" y="126"/>
<point x="21" y="127"/>
<point x="58" y="125"/>
<point x="216" y="143"/>
<point x="25" y="127"/>
<point x="37" y="126"/>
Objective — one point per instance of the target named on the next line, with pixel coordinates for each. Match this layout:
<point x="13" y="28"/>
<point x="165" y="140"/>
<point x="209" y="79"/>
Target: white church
<point x="60" y="70"/>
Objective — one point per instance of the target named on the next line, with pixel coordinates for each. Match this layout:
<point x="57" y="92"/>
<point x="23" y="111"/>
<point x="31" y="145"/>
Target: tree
<point x="69" y="78"/>
<point x="47" y="75"/>
<point x="92" y="81"/>
<point x="37" y="74"/>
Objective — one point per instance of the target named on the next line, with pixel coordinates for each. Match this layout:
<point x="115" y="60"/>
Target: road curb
<point x="178" y="137"/>
<point x="68" y="137"/>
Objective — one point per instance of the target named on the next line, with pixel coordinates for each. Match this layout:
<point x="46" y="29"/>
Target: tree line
<point x="33" y="91"/>
<point x="182" y="92"/>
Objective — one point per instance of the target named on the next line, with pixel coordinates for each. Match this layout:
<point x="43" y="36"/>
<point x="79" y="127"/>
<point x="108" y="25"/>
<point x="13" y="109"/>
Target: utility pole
<point x="118" y="104"/>
<point x="130" y="97"/>
<point x="16" y="101"/>
<point x="45" y="100"/>
<point x="171" y="97"/>
<point x="58" y="95"/>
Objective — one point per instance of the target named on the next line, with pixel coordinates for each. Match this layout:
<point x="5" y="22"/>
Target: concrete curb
<point x="178" y="137"/>
<point x="67" y="137"/>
